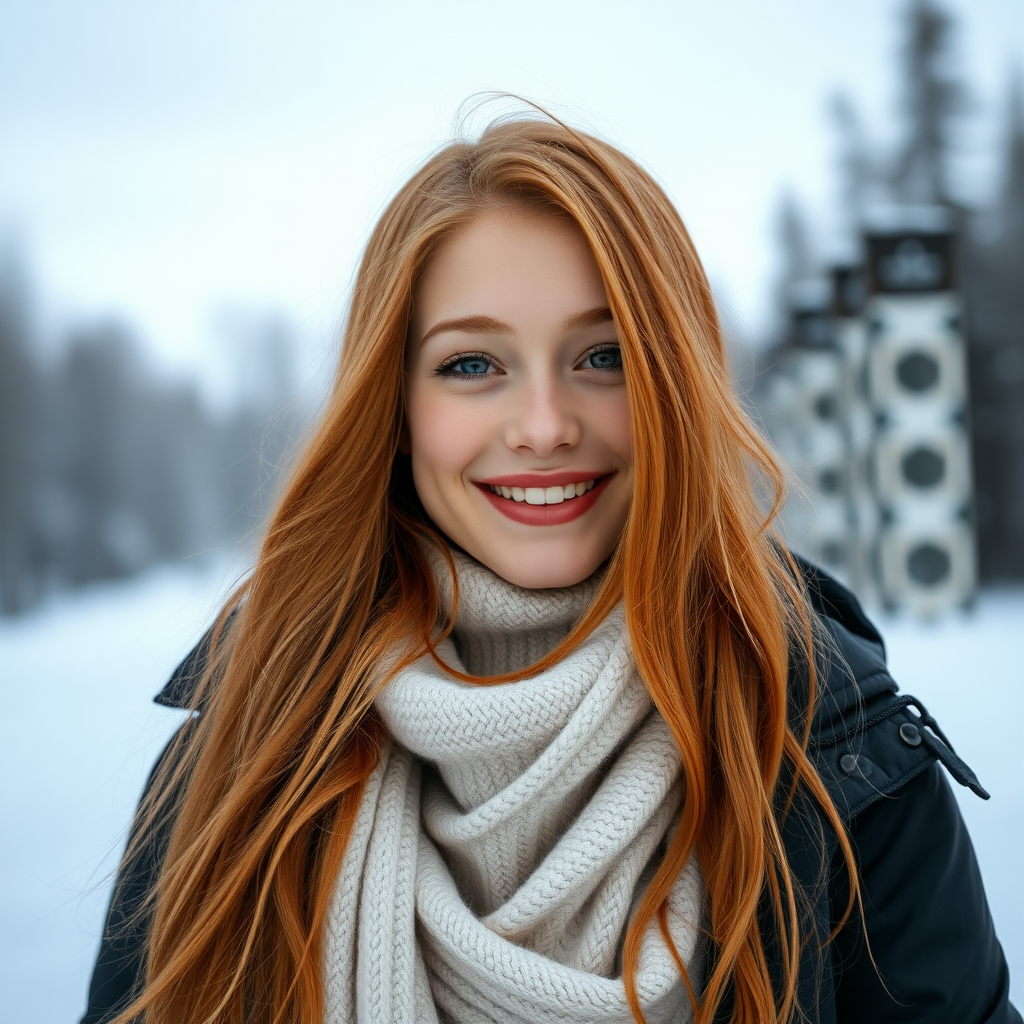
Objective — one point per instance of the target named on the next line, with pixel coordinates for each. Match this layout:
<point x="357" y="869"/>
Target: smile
<point x="552" y="505"/>
<point x="543" y="495"/>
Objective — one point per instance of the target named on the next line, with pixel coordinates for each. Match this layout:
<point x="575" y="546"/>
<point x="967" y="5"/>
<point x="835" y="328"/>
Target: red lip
<point x="543" y="515"/>
<point x="559" y="479"/>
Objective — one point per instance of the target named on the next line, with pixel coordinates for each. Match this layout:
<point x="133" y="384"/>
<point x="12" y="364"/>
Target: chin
<point x="544" y="569"/>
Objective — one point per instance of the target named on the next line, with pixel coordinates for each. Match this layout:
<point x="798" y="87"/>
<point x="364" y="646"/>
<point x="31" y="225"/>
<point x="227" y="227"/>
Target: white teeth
<point x="543" y="495"/>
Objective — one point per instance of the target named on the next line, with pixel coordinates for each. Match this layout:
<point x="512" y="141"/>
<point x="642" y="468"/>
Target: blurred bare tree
<point x="934" y="99"/>
<point x="22" y="548"/>
<point x="993" y="258"/>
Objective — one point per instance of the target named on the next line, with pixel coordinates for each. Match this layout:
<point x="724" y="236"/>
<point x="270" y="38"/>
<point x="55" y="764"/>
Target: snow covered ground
<point x="79" y="733"/>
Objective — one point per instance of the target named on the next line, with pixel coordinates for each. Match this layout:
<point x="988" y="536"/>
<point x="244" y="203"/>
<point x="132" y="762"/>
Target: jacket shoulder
<point x="867" y="740"/>
<point x="180" y="690"/>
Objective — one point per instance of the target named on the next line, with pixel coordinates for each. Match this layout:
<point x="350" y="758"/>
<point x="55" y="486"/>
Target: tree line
<point x="106" y="468"/>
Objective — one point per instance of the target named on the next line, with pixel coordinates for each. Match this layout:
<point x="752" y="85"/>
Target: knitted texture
<point x="510" y="830"/>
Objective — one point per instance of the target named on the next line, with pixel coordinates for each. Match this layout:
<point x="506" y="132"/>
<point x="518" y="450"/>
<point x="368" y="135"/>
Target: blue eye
<point x="603" y="359"/>
<point x="473" y="365"/>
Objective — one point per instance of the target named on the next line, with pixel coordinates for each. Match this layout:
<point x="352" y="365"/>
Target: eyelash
<point x="446" y="369"/>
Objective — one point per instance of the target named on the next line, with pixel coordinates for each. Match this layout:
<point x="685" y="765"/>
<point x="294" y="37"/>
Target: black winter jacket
<point x="936" y="956"/>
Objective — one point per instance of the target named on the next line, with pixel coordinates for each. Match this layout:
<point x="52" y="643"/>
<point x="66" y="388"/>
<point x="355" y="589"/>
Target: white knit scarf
<point x="510" y="830"/>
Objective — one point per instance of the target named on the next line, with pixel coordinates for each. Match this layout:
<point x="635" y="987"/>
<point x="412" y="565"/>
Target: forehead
<point x="512" y="264"/>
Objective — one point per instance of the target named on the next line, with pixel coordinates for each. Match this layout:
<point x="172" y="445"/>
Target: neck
<point x="503" y="628"/>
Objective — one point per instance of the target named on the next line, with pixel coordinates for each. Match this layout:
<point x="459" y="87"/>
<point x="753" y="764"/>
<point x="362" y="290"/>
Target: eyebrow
<point x="490" y="325"/>
<point x="588" y="318"/>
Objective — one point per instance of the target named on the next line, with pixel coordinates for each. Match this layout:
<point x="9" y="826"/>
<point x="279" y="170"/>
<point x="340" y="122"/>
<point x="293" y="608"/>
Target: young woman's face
<point x="516" y="411"/>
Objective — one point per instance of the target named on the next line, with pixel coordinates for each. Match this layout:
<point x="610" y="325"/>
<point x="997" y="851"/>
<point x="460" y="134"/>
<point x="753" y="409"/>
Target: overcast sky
<point x="168" y="160"/>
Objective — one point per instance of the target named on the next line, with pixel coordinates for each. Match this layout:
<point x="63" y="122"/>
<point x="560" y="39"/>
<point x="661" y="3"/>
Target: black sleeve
<point x="928" y="922"/>
<point x="120" y="963"/>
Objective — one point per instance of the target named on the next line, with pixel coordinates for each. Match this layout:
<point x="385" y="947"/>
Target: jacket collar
<point x="852" y="668"/>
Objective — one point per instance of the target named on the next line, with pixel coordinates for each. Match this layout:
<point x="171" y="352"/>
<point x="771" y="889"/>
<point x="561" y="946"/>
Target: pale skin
<point x="515" y="390"/>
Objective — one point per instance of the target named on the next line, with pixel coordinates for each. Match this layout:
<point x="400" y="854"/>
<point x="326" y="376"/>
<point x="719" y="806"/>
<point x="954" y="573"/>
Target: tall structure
<point x="851" y="341"/>
<point x="916" y="385"/>
<point x="807" y="418"/>
<point x="818" y="372"/>
<point x="868" y="403"/>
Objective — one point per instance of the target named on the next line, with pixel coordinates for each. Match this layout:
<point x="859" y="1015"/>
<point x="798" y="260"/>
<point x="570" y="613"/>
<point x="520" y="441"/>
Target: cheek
<point x="445" y="437"/>
<point x="611" y="422"/>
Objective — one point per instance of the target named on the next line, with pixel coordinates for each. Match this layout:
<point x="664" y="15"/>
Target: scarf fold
<point x="505" y="839"/>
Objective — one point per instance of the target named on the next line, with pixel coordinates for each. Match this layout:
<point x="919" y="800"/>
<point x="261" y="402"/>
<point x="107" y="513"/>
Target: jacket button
<point x="850" y="763"/>
<point x="910" y="734"/>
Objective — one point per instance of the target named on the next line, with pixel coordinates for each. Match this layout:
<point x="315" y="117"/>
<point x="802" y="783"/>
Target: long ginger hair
<point x="262" y="790"/>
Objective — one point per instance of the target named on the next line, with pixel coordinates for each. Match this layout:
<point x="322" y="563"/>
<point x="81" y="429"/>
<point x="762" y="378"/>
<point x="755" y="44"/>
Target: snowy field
<point x="79" y="733"/>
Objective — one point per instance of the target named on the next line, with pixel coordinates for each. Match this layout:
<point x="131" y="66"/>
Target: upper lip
<point x="556" y="479"/>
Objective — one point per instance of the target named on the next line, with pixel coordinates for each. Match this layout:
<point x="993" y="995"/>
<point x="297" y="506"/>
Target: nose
<point x="543" y="420"/>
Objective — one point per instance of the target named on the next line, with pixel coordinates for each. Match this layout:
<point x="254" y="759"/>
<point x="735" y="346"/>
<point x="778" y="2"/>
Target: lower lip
<point x="545" y="515"/>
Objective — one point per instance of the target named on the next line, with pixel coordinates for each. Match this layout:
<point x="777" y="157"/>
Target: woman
<point x="523" y="714"/>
